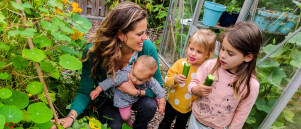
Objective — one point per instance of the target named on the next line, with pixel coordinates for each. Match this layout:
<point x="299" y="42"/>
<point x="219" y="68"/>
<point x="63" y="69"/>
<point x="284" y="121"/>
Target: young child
<point x="235" y="89"/>
<point x="140" y="74"/>
<point x="200" y="48"/>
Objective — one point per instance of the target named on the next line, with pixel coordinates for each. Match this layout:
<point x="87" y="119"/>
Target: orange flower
<point x="65" y="1"/>
<point x="77" y="34"/>
<point x="58" y="11"/>
<point x="76" y="8"/>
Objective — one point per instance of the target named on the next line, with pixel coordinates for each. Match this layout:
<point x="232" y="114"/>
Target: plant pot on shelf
<point x="212" y="13"/>
<point x="263" y="18"/>
<point x="292" y="19"/>
<point x="276" y="22"/>
<point x="228" y="18"/>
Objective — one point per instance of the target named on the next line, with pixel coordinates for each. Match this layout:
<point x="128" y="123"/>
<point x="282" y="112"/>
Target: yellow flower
<point x="65" y="1"/>
<point x="77" y="34"/>
<point x="76" y="7"/>
<point x="94" y="124"/>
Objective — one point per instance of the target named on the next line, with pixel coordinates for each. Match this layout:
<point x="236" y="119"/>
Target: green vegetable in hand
<point x="186" y="69"/>
<point x="209" y="80"/>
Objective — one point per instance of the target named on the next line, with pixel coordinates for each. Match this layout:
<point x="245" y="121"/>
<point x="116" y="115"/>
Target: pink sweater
<point x="219" y="108"/>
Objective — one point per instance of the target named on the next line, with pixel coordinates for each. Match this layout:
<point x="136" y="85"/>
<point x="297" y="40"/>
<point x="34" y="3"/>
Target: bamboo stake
<point x="40" y="73"/>
<point x="174" y="41"/>
<point x="166" y="42"/>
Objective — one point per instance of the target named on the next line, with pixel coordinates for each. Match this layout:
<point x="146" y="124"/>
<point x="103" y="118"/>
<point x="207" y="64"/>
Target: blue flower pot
<point x="228" y="19"/>
<point x="289" y="25"/>
<point x="263" y="19"/>
<point x="276" y="22"/>
<point x="212" y="13"/>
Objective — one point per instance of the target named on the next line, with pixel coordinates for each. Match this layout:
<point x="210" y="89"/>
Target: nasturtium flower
<point x="94" y="124"/>
<point x="76" y="8"/>
<point x="65" y="1"/>
<point x="58" y="11"/>
<point x="77" y="34"/>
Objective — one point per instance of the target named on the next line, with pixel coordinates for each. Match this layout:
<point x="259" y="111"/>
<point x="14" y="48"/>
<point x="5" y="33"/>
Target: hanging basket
<point x="212" y="13"/>
<point x="264" y="18"/>
<point x="292" y="19"/>
<point x="276" y="22"/>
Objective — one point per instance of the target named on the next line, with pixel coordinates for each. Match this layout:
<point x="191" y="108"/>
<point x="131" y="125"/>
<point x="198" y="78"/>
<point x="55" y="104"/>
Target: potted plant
<point x="291" y="21"/>
<point x="212" y="12"/>
<point x="230" y="16"/>
<point x="264" y="17"/>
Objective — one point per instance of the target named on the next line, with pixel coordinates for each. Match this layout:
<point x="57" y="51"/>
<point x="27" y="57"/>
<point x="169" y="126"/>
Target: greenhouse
<point x="48" y="50"/>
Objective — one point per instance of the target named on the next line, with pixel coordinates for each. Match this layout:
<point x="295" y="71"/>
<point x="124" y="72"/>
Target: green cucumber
<point x="186" y="69"/>
<point x="209" y="80"/>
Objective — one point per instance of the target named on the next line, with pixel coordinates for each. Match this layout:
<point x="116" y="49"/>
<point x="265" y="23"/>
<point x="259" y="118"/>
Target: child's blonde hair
<point x="205" y="39"/>
<point x="246" y="38"/>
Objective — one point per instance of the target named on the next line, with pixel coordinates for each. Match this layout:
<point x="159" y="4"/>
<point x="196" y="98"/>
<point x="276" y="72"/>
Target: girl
<point x="235" y="89"/>
<point x="200" y="47"/>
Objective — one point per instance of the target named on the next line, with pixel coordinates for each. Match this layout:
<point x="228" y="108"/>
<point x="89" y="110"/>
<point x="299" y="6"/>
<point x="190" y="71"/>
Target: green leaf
<point x="2" y="63"/>
<point x="263" y="106"/>
<point x="296" y="39"/>
<point x="34" y="88"/>
<point x="295" y="63"/>
<point x="42" y="41"/>
<point x="47" y="67"/>
<point x="55" y="74"/>
<point x="4" y="76"/>
<point x="268" y="65"/>
<point x="270" y="47"/>
<point x="43" y="97"/>
<point x="29" y="32"/>
<point x="1" y="104"/>
<point x="276" y="75"/>
<point x="17" y="6"/>
<point x="35" y="54"/>
<point x="58" y="22"/>
<point x="20" y="99"/>
<point x="39" y="112"/>
<point x="46" y="125"/>
<point x="251" y="120"/>
<point x="13" y="33"/>
<point x="26" y="5"/>
<point x="60" y="36"/>
<point x="2" y="121"/>
<point x="54" y="3"/>
<point x="44" y="10"/>
<point x="80" y="23"/>
<point x="70" y="62"/>
<point x="11" y="113"/>
<point x="5" y="93"/>
<point x="19" y="62"/>
<point x="288" y="115"/>
<point x="68" y="50"/>
<point x="2" y="19"/>
<point x="26" y="116"/>
<point x="4" y="47"/>
<point x="49" y="26"/>
<point x="67" y="30"/>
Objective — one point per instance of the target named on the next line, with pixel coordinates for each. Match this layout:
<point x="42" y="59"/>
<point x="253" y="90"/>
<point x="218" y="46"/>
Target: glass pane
<point x="291" y="115"/>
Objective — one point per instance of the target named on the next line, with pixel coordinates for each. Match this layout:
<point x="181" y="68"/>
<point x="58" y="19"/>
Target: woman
<point x="118" y="42"/>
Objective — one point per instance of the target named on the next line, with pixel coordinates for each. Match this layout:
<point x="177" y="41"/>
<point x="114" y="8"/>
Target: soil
<point x="153" y="34"/>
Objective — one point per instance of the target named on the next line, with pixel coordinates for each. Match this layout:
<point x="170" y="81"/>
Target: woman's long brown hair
<point x="246" y="38"/>
<point x="123" y="18"/>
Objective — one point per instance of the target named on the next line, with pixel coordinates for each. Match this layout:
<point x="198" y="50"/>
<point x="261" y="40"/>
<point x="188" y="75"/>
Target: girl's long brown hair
<point x="246" y="38"/>
<point x="105" y="41"/>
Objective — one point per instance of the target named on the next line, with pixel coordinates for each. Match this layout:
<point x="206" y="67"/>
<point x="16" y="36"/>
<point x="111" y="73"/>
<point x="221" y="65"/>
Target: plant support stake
<point x="40" y="73"/>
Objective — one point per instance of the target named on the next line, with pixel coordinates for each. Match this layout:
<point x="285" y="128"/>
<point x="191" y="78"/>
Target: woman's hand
<point x="66" y="122"/>
<point x="129" y="88"/>
<point x="201" y="90"/>
<point x="180" y="79"/>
